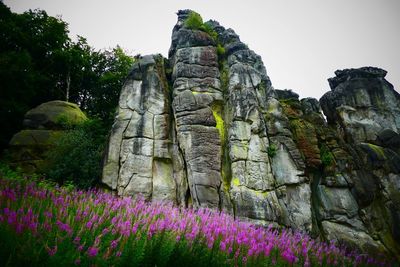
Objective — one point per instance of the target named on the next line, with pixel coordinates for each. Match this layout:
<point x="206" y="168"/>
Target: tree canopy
<point x="39" y="62"/>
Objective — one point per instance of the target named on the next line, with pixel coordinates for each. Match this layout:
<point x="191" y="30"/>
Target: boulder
<point x="42" y="126"/>
<point x="53" y="115"/>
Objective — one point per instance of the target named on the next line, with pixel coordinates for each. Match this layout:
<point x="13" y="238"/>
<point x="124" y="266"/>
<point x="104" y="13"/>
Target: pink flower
<point x="89" y="224"/>
<point x="52" y="251"/>
<point x="114" y="244"/>
<point x="92" y="251"/>
<point x="105" y="231"/>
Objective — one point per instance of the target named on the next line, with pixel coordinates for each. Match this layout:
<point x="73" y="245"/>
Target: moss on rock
<point x="54" y="115"/>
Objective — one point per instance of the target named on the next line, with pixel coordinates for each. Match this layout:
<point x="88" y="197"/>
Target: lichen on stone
<point x="220" y="124"/>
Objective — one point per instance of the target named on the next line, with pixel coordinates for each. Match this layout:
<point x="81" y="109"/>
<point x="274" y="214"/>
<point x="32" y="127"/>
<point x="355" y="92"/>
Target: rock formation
<point x="205" y="128"/>
<point x="42" y="126"/>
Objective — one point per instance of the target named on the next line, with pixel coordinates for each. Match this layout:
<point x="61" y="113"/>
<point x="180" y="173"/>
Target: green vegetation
<point x="220" y="51"/>
<point x="217" y="113"/>
<point x="224" y="76"/>
<point x="77" y="154"/>
<point x="222" y="65"/>
<point x="272" y="150"/>
<point x="195" y="22"/>
<point x="40" y="63"/>
<point x="327" y="158"/>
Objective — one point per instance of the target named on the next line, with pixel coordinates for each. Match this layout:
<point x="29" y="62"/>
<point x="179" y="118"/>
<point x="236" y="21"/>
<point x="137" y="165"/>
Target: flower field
<point x="42" y="225"/>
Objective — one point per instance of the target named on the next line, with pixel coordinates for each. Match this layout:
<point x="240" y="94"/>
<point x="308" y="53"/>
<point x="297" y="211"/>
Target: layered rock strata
<point x="205" y="128"/>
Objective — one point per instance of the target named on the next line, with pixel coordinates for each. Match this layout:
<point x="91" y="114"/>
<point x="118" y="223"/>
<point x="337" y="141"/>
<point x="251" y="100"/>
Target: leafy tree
<point x="28" y="44"/>
<point x="39" y="63"/>
<point x="115" y="66"/>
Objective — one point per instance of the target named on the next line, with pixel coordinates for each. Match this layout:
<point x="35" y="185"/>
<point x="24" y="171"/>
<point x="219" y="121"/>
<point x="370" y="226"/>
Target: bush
<point x="220" y="51"/>
<point x="208" y="29"/>
<point x="194" y="21"/>
<point x="77" y="155"/>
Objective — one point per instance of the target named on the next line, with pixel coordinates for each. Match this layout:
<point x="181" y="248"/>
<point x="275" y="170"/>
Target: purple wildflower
<point x="92" y="251"/>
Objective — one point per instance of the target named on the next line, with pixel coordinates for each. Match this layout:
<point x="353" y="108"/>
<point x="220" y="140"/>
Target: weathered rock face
<point x="205" y="128"/>
<point x="140" y="151"/>
<point x="363" y="103"/>
<point x="364" y="110"/>
<point x="43" y="125"/>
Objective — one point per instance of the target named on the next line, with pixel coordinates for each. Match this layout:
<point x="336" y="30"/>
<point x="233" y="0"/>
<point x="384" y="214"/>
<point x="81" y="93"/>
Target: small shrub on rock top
<point x="195" y="22"/>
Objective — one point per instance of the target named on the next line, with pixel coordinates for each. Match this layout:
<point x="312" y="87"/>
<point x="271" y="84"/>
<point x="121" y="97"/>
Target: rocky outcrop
<point x="42" y="126"/>
<point x="140" y="151"/>
<point x="363" y="103"/>
<point x="196" y="102"/>
<point x="363" y="108"/>
<point x="205" y="128"/>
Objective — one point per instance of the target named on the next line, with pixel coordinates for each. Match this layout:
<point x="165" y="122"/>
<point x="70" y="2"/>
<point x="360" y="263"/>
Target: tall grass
<point x="42" y="225"/>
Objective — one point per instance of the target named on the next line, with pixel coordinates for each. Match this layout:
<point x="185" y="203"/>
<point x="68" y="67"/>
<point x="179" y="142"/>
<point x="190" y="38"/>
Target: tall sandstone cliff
<point x="205" y="128"/>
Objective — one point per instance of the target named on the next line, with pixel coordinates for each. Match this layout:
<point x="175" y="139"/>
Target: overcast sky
<point x="302" y="42"/>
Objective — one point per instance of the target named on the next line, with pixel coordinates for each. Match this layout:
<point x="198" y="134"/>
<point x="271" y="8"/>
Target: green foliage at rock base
<point x="77" y="155"/>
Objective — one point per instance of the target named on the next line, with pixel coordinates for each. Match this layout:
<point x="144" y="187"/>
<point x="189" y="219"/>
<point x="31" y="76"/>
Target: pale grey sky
<point x="302" y="42"/>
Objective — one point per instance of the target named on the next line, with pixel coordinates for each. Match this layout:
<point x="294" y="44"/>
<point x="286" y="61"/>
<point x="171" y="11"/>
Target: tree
<point x="28" y="77"/>
<point x="114" y="66"/>
<point x="39" y="63"/>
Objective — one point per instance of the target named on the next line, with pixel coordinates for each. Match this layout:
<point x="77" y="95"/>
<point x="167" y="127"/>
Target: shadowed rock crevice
<point x="206" y="128"/>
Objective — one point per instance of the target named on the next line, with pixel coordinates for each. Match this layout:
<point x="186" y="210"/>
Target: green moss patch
<point x="217" y="113"/>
